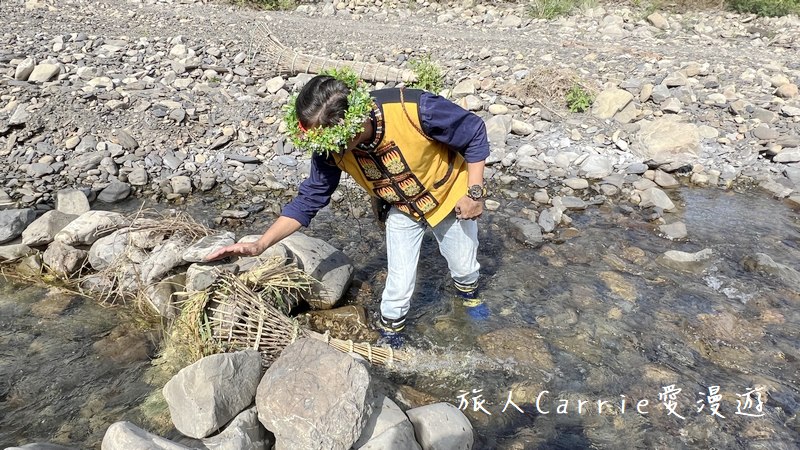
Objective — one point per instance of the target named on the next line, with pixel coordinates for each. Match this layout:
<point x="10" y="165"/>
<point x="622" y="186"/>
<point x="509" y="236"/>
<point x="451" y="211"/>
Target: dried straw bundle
<point x="289" y="62"/>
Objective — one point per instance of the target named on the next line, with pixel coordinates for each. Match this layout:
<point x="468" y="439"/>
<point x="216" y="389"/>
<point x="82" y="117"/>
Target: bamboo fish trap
<point x="286" y="61"/>
<point x="236" y="317"/>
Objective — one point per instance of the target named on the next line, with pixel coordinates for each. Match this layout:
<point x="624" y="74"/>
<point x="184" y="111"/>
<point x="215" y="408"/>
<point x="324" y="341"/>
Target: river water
<point x="619" y="348"/>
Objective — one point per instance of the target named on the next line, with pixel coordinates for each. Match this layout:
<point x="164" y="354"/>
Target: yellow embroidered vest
<point x="421" y="177"/>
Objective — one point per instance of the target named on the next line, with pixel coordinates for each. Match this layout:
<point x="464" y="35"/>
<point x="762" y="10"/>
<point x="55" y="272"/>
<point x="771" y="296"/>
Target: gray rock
<point x="86" y="161"/>
<point x="573" y="203"/>
<point x="63" y="259"/>
<point x="547" y="220"/>
<point x="181" y="185"/>
<point x="20" y="115"/>
<point x="127" y="436"/>
<point x="243" y="433"/>
<point x="511" y="21"/>
<point x="655" y="197"/>
<point x="787" y="156"/>
<point x="249" y="262"/>
<point x="521" y="128"/>
<point x="164" y="258"/>
<point x="123" y="138"/>
<point x="206" y="395"/>
<point x="24" y="69"/>
<point x="313" y="397"/>
<point x="690" y="262"/>
<point x="324" y="263"/>
<point x="441" y="426"/>
<point x="98" y="284"/>
<point x="163" y="295"/>
<point x="41" y="446"/>
<point x="765" y="265"/>
<point x="464" y="88"/>
<point x="636" y="168"/>
<point x="498" y="128"/>
<point x="106" y="250"/>
<point x="14" y="252"/>
<point x="765" y="133"/>
<point x="667" y="140"/>
<point x="659" y="93"/>
<point x="597" y="167"/>
<point x="138" y="177"/>
<point x="577" y="183"/>
<point x="13" y="222"/>
<point x="201" y="276"/>
<point x="89" y="227"/>
<point x="525" y="231"/>
<point x="199" y="251"/>
<point x="44" y="72"/>
<point x="387" y="428"/>
<point x="72" y="201"/>
<point x="44" y="229"/>
<point x="658" y="21"/>
<point x="676" y="230"/>
<point x="275" y="84"/>
<point x="609" y="102"/>
<point x="114" y="192"/>
<point x="675" y="79"/>
<point x="38" y="170"/>
<point x="665" y="180"/>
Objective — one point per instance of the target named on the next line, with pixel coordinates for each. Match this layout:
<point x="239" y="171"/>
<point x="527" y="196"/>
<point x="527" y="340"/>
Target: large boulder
<point x="244" y="432"/>
<point x="89" y="227"/>
<point x="387" y="428"/>
<point x="313" y="397"/>
<point x="326" y="264"/>
<point x="127" y="436"/>
<point x="44" y="229"/>
<point x="199" y="251"/>
<point x="164" y="258"/>
<point x="13" y="223"/>
<point x="63" y="259"/>
<point x="441" y="426"/>
<point x="206" y="395"/>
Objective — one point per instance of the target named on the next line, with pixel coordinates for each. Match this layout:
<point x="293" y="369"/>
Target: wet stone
<point x="522" y="346"/>
<point x="207" y="245"/>
<point x="114" y="192"/>
<point x="676" y="230"/>
<point x="525" y="231"/>
<point x="13" y="222"/>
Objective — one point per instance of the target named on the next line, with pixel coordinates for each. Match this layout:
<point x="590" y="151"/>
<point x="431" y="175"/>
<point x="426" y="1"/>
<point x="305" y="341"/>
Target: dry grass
<point x="548" y="87"/>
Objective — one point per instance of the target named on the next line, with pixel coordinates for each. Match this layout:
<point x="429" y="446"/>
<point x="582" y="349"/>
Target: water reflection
<point x="69" y="368"/>
<point x="599" y="316"/>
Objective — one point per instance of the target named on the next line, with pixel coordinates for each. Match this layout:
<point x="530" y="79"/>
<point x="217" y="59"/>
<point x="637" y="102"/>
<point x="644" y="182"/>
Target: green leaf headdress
<point x="332" y="139"/>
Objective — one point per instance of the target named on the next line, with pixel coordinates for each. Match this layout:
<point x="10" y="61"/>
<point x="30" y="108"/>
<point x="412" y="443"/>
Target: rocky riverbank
<point x="171" y="99"/>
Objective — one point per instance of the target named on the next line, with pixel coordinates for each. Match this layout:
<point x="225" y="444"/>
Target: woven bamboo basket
<point x="289" y="62"/>
<point x="238" y="317"/>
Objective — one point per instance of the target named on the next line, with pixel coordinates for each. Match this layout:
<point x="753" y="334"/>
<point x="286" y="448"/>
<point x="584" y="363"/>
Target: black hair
<point x="322" y="102"/>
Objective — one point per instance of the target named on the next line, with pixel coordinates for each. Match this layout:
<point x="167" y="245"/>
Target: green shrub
<point x="578" y="99"/>
<point x="768" y="8"/>
<point x="272" y="5"/>
<point x="429" y="75"/>
<point x="550" y="9"/>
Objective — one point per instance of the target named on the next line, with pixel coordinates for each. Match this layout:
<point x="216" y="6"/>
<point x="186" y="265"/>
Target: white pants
<point x="458" y="243"/>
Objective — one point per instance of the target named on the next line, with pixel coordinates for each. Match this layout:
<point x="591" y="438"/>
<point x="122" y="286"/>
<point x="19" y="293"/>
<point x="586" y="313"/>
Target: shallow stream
<point x="594" y="316"/>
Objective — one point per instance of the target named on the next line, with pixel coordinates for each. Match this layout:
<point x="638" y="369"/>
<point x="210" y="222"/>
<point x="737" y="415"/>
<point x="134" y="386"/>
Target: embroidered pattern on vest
<point x="393" y="180"/>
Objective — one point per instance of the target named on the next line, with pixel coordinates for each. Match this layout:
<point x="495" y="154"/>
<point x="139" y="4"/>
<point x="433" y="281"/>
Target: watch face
<point x="475" y="191"/>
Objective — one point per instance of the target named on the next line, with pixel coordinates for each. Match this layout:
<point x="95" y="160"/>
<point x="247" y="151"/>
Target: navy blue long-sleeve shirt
<point x="441" y="119"/>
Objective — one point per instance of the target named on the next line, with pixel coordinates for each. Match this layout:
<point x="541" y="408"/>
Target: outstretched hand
<point x="240" y="249"/>
<point x="468" y="209"/>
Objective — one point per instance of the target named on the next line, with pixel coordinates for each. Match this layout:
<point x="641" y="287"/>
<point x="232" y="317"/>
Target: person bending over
<point x="420" y="154"/>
